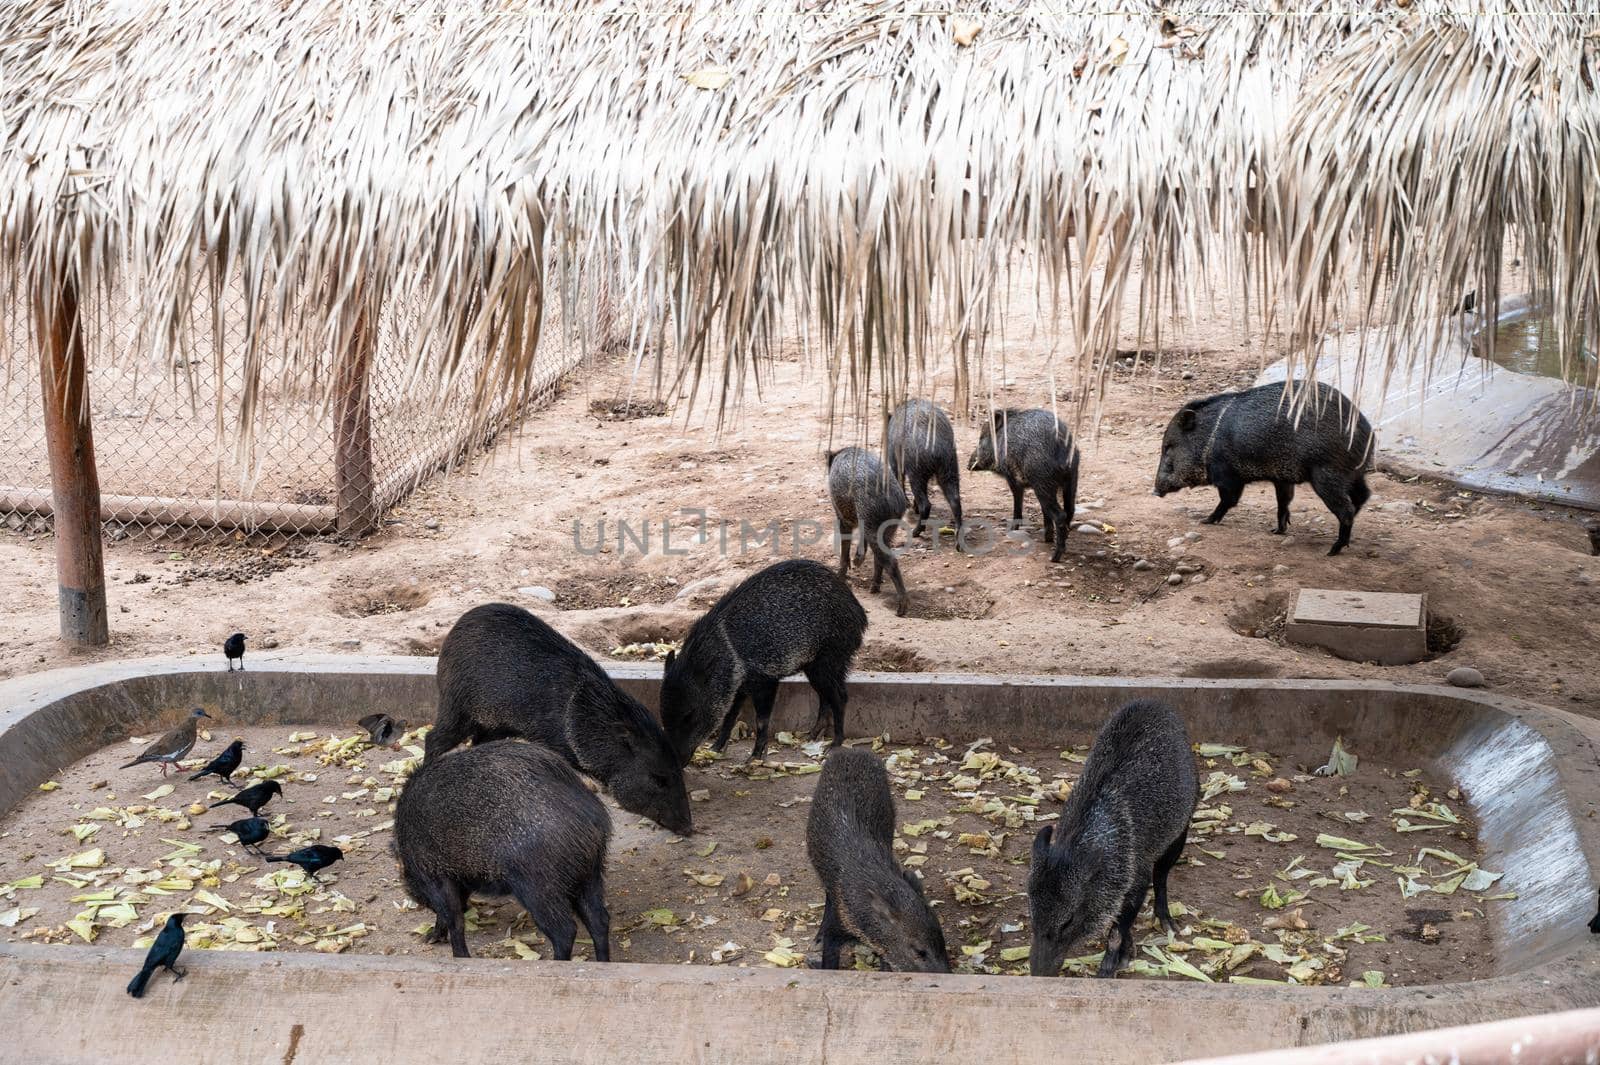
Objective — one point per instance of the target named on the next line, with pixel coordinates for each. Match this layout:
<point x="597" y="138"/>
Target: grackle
<point x="254" y="797"/>
<point x="384" y="730"/>
<point x="250" y="830"/>
<point x="163" y="952"/>
<point x="234" y="648"/>
<point x="312" y="859"/>
<point x="224" y="764"/>
<point x="172" y="747"/>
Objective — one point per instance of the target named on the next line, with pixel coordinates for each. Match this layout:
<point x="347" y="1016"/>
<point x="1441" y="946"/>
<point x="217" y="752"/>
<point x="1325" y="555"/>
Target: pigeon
<point x="254" y="797"/>
<point x="225" y="764"/>
<point x="163" y="952"/>
<point x="312" y="859"/>
<point x="384" y="730"/>
<point x="250" y="830"/>
<point x="173" y="747"/>
<point x="234" y="648"/>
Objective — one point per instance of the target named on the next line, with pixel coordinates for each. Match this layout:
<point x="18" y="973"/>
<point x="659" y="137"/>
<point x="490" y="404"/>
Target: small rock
<point x="1088" y="529"/>
<point x="538" y="591"/>
<point x="1101" y="553"/>
<point x="1174" y="578"/>
<point x="1198" y="578"/>
<point x="1398" y="506"/>
<point x="700" y="795"/>
<point x="1187" y="375"/>
<point x="14" y="521"/>
<point x="1279" y="570"/>
<point x="1464" y="677"/>
<point x="1278" y="785"/>
<point x="1144" y="564"/>
<point x="1188" y="567"/>
<point x="267" y="644"/>
<point x="1191" y="536"/>
<point x="1176" y="541"/>
<point x="1286" y="541"/>
<point x="350" y="645"/>
<point x="431" y="523"/>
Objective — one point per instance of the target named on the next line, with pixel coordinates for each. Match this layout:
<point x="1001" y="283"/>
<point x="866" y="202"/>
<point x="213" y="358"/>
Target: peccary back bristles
<point x="868" y="896"/>
<point x="503" y="672"/>
<point x="792" y="617"/>
<point x="1234" y="439"/>
<point x="1122" y="828"/>
<point x="920" y="445"/>
<point x="505" y="818"/>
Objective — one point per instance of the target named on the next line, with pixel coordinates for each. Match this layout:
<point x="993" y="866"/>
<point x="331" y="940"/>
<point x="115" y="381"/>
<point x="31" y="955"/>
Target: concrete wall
<point x="1528" y="773"/>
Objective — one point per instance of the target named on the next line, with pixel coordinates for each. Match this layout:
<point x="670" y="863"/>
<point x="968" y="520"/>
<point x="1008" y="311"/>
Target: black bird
<point x="1466" y="303"/>
<point x="384" y="730"/>
<point x="1594" y="923"/>
<point x="224" y="764"/>
<point x="163" y="952"/>
<point x="234" y="648"/>
<point x="312" y="859"/>
<point x="254" y="797"/>
<point x="250" y="830"/>
<point x="172" y="747"/>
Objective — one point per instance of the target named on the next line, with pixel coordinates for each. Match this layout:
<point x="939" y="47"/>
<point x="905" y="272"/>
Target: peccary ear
<point x="1041" y="845"/>
<point x="672" y="656"/>
<point x="1187" y="419"/>
<point x="999" y="417"/>
<point x="833" y="455"/>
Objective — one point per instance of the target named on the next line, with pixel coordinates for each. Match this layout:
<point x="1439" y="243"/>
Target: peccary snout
<point x="868" y="897"/>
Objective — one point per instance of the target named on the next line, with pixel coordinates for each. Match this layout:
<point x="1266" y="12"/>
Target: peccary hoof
<point x="900" y="610"/>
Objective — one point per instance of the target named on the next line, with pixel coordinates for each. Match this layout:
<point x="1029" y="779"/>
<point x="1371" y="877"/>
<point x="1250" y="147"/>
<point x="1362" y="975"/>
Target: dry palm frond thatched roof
<point x="872" y="170"/>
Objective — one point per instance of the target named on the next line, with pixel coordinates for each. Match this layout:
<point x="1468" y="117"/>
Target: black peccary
<point x="1235" y="438"/>
<point x="1122" y="828"/>
<point x="1033" y="449"/>
<point x="868" y="503"/>
<point x="503" y="672"/>
<point x="506" y="818"/>
<point x="920" y="445"/>
<point x="792" y="617"/>
<point x="868" y="896"/>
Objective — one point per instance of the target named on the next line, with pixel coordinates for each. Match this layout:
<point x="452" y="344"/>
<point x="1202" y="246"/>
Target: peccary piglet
<point x="503" y="672"/>
<point x="1236" y="438"/>
<point x="921" y="446"/>
<point x="792" y="617"/>
<point x="505" y="818"/>
<point x="1033" y="449"/>
<point x="868" y="896"/>
<point x="868" y="504"/>
<point x="1122" y="828"/>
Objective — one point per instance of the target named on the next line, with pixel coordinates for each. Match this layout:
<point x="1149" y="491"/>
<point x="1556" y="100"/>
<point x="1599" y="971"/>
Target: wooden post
<point x="74" y="481"/>
<point x="352" y="472"/>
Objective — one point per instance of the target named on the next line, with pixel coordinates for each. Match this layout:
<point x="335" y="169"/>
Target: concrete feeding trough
<point x="1389" y="628"/>
<point x="1526" y="775"/>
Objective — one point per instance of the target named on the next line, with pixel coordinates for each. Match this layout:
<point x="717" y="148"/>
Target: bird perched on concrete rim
<point x="163" y="952"/>
<point x="254" y="797"/>
<point x="233" y="647"/>
<point x="172" y="747"/>
<point x="312" y="859"/>
<point x="225" y="764"/>
<point x="384" y="730"/>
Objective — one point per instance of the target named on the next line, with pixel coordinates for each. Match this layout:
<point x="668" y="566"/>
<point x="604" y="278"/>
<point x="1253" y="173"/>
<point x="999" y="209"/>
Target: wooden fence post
<point x="354" y="485"/>
<point x="74" y="481"/>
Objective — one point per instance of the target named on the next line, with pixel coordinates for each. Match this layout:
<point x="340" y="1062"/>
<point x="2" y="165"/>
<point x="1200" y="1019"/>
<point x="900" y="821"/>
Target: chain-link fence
<point x="167" y="436"/>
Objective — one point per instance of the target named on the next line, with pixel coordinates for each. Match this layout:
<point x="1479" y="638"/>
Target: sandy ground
<point x="1260" y="897"/>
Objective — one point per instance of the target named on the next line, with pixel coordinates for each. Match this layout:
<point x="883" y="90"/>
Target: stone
<point x="1398" y="506"/>
<point x="268" y="643"/>
<point x="1144" y="564"/>
<point x="1188" y="568"/>
<point x="350" y="645"/>
<point x="1191" y="536"/>
<point x="1465" y="677"/>
<point x="1389" y="628"/>
<point x="1176" y="541"/>
<point x="538" y="591"/>
<point x="1091" y="530"/>
<point x="1187" y="375"/>
<point x="1174" y="578"/>
<point x="1198" y="578"/>
<point x="1280" y="570"/>
<point x="431" y="523"/>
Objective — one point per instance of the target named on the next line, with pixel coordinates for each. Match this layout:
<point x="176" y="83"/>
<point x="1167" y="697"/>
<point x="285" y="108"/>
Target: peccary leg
<point x="448" y="903"/>
<point x="1164" y="866"/>
<point x="1123" y="954"/>
<point x="1229" y="489"/>
<point x="1333" y="492"/>
<point x="763" y="693"/>
<point x="831" y="698"/>
<point x="729" y="719"/>
<point x="831" y="935"/>
<point x="1016" y="499"/>
<point x="844" y="549"/>
<point x="1285" y="490"/>
<point x="924" y="505"/>
<point x="950" y="486"/>
<point x="554" y="923"/>
<point x="449" y="732"/>
<point x="1359" y="492"/>
<point x="591" y="907"/>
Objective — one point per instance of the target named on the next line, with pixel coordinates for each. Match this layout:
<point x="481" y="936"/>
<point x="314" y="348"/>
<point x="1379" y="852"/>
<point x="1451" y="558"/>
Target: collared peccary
<point x="921" y="445"/>
<point x="1122" y="827"/>
<point x="503" y="672"/>
<point x="868" y="503"/>
<point x="1235" y="438"/>
<point x="792" y="617"/>
<point x="505" y="818"/>
<point x="868" y="896"/>
<point x="1033" y="449"/>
